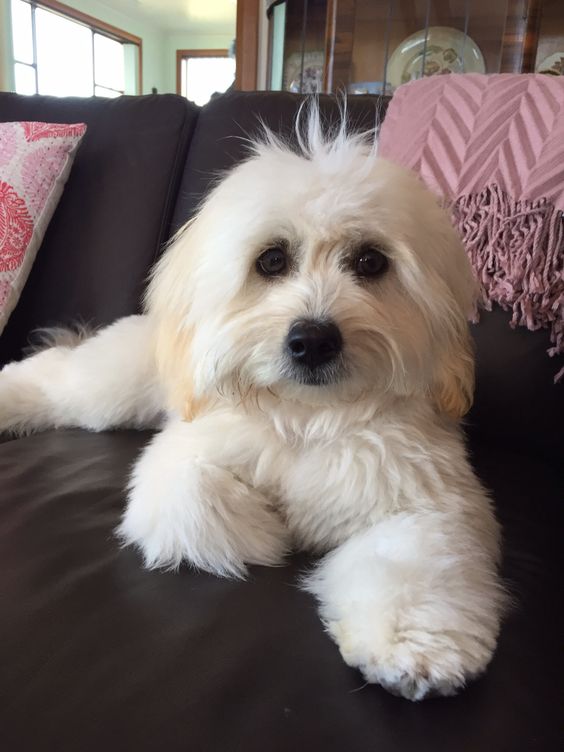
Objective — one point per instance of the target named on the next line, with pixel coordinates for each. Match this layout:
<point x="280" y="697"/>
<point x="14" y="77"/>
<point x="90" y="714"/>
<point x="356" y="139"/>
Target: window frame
<point x="95" y="25"/>
<point x="186" y="54"/>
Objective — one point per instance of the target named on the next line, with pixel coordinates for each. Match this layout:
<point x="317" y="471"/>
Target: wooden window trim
<point x="246" y="59"/>
<point x="95" y="23"/>
<point x="183" y="54"/>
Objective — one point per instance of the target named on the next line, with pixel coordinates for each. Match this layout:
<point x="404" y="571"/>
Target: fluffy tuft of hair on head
<point x="327" y="140"/>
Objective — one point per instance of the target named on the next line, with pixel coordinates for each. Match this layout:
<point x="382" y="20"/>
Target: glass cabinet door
<point x="297" y="41"/>
<point x="392" y="42"/>
<point x="373" y="46"/>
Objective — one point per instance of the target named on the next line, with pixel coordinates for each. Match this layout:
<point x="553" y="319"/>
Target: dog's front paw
<point x="204" y="516"/>
<point x="413" y="661"/>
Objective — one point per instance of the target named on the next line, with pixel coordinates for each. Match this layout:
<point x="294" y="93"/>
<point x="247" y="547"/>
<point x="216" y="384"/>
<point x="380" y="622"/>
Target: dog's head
<point x="320" y="274"/>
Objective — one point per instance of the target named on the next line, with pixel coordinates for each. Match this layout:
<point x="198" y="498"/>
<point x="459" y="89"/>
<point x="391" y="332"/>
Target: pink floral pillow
<point x="35" y="161"/>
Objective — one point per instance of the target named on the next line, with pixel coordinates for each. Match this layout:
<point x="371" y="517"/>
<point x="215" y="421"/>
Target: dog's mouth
<point x="324" y="375"/>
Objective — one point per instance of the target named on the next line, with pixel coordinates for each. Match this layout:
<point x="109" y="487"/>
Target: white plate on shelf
<point x="553" y="64"/>
<point x="446" y="51"/>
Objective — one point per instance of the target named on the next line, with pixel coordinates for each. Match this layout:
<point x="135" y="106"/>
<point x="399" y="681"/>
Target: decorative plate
<point x="446" y="51"/>
<point x="553" y="64"/>
<point x="313" y="72"/>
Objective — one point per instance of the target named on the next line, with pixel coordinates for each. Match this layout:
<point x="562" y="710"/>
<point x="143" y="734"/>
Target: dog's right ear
<point x="168" y="301"/>
<point x="453" y="391"/>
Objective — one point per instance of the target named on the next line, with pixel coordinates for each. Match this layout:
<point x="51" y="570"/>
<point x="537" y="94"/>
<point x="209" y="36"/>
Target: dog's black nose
<point x="314" y="343"/>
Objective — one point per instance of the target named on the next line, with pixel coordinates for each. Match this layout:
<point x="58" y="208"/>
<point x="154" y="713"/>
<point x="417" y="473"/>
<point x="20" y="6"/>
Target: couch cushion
<point x="98" y="653"/>
<point x="516" y="403"/>
<point x="114" y="214"/>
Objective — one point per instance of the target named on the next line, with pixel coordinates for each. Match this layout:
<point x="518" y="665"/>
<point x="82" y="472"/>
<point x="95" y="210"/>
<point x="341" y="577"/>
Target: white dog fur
<point x="367" y="466"/>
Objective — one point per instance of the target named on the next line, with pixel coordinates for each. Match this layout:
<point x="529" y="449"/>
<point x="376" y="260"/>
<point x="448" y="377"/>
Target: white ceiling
<point x="204" y="16"/>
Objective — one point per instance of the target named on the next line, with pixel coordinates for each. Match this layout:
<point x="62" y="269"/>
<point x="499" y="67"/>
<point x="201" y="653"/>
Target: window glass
<point x="25" y="79"/>
<point x="100" y="91"/>
<point x="203" y="76"/>
<point x="108" y="62"/>
<point x="71" y="58"/>
<point x="64" y="56"/>
<point x="22" y="38"/>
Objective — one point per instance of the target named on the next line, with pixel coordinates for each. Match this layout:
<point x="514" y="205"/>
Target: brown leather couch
<point x="98" y="654"/>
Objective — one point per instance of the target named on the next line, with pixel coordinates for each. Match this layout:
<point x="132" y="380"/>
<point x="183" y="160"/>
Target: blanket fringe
<point x="517" y="251"/>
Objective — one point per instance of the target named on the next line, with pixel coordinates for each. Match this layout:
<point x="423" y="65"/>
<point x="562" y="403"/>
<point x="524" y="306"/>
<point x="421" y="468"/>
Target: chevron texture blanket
<point x="493" y="148"/>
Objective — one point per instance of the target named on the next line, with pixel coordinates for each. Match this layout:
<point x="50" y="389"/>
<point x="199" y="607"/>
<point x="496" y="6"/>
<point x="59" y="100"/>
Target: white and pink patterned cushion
<point x="35" y="161"/>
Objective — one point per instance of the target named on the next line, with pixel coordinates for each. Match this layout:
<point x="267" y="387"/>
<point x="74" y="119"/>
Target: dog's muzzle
<point x="314" y="348"/>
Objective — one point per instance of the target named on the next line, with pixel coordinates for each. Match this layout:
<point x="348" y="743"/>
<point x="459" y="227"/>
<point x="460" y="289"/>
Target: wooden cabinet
<point x="375" y="45"/>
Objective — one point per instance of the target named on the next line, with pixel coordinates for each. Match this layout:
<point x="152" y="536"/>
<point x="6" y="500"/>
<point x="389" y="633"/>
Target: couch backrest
<point x="114" y="214"/>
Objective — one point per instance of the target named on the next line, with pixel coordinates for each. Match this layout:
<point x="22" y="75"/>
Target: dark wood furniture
<point x="354" y="40"/>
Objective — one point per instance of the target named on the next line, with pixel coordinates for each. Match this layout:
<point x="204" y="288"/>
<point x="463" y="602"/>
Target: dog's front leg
<point x="102" y="381"/>
<point x="413" y="602"/>
<point x="186" y="503"/>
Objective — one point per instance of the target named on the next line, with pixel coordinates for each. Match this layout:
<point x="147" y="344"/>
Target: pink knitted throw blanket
<point x="493" y="148"/>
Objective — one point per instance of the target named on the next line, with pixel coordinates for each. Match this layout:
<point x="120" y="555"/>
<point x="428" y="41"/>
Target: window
<point x="62" y="52"/>
<point x="201" y="73"/>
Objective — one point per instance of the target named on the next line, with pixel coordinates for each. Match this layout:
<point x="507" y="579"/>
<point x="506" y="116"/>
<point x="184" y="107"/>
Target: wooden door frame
<point x="182" y="54"/>
<point x="246" y="44"/>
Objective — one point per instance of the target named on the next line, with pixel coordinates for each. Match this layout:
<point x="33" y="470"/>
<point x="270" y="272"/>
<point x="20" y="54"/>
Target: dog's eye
<point x="272" y="262"/>
<point x="370" y="262"/>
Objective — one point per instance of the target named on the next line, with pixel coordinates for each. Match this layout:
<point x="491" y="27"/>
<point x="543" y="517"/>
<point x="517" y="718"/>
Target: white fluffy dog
<point x="305" y="351"/>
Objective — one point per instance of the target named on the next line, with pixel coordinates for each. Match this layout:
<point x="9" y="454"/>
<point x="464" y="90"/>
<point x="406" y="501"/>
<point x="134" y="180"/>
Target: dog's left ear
<point x="453" y="388"/>
<point x="167" y="302"/>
